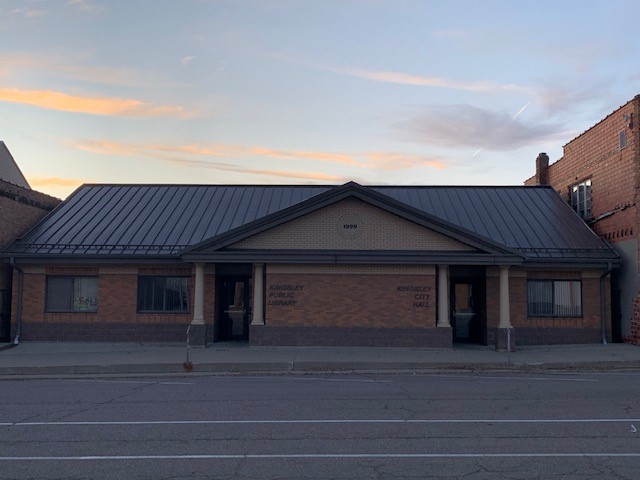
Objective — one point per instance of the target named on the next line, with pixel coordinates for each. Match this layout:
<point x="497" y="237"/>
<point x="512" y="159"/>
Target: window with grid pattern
<point x="581" y="199"/>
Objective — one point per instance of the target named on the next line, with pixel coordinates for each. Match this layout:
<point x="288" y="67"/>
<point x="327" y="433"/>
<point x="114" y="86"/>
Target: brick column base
<point x="197" y="336"/>
<point x="505" y="339"/>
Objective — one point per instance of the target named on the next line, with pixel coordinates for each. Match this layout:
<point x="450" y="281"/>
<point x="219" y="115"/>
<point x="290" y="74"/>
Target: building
<point x="313" y="265"/>
<point x="599" y="176"/>
<point x="20" y="209"/>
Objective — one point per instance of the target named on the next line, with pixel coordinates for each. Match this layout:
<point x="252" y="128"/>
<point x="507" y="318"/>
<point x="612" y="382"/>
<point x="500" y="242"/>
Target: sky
<point x="378" y="92"/>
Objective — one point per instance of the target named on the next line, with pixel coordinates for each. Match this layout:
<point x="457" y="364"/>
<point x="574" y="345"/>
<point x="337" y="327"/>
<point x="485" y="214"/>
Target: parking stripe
<point x="321" y="421"/>
<point x="321" y="456"/>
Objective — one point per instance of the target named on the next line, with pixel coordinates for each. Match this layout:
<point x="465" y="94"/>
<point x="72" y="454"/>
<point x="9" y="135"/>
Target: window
<point x="163" y="294"/>
<point x="622" y="139"/>
<point x="554" y="298"/>
<point x="72" y="294"/>
<point x="581" y="199"/>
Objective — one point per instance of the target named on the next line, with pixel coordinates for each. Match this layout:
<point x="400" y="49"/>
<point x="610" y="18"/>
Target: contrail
<point x="521" y="110"/>
<point x="513" y="118"/>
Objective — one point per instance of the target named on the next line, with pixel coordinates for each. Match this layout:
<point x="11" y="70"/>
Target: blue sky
<point x="379" y="92"/>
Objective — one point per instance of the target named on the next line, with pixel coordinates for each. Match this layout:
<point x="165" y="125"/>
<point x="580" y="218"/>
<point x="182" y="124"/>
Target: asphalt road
<point x="472" y="426"/>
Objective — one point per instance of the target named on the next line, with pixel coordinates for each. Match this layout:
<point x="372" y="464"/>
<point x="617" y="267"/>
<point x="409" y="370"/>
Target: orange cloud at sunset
<point x="302" y="176"/>
<point x="52" y="100"/>
<point x="372" y="160"/>
<point x="424" y="81"/>
<point x="399" y="161"/>
<point x="273" y="173"/>
<point x="55" y="182"/>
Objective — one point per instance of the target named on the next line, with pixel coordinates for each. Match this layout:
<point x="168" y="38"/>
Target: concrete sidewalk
<point x="43" y="358"/>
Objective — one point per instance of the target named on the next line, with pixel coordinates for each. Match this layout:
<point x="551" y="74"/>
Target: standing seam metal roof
<point x="165" y="219"/>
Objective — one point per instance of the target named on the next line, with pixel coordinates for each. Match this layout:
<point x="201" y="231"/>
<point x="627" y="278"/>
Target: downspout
<point x="603" y="306"/>
<point x="16" y="339"/>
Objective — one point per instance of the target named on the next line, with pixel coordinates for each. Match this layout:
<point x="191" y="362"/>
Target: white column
<point x="198" y="304"/>
<point x="258" y="294"/>
<point x="505" y="316"/>
<point x="443" y="296"/>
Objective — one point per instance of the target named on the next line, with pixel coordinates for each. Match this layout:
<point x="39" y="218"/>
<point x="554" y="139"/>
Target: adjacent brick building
<point x="313" y="265"/>
<point x="20" y="209"/>
<point x="599" y="176"/>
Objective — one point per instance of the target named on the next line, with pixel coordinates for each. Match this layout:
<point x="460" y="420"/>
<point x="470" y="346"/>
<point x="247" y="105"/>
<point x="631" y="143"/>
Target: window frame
<point x="71" y="309"/>
<point x="583" y="206"/>
<point x="186" y="278"/>
<point x="622" y="139"/>
<point x="553" y="281"/>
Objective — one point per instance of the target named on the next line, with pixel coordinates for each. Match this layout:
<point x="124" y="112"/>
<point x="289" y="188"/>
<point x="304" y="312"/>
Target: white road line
<point x="497" y="377"/>
<point x="336" y="380"/>
<point x="321" y="456"/>
<point x="134" y="381"/>
<point x="321" y="421"/>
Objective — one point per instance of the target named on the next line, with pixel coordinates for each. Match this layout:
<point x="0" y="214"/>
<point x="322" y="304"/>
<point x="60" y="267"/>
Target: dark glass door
<point x="233" y="308"/>
<point x="467" y="309"/>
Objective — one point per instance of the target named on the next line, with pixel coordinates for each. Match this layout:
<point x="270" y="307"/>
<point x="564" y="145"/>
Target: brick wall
<point x="307" y="305"/>
<point x="117" y="318"/>
<point x="615" y="177"/>
<point x="548" y="330"/>
<point x="20" y="209"/>
<point x="351" y="300"/>
<point x="351" y="225"/>
<point x="350" y="305"/>
<point x="613" y="171"/>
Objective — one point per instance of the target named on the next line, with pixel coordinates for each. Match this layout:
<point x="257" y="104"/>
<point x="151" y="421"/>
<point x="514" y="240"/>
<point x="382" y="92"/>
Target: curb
<point x="318" y="367"/>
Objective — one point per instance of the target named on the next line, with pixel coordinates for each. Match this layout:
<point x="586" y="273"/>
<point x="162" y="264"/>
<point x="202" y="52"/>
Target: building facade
<point x="20" y="209"/>
<point x="599" y="176"/>
<point x="313" y="265"/>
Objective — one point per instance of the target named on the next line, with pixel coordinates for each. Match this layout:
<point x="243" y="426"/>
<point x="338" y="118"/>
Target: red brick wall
<point x="569" y="329"/>
<point x="348" y="301"/>
<point x="20" y="209"/>
<point x="117" y="318"/>
<point x="355" y="300"/>
<point x="614" y="172"/>
<point x="615" y="175"/>
<point x="634" y="336"/>
<point x="590" y="301"/>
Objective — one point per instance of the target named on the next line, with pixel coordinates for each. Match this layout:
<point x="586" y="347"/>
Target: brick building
<point x="599" y="176"/>
<point x="20" y="209"/>
<point x="313" y="265"/>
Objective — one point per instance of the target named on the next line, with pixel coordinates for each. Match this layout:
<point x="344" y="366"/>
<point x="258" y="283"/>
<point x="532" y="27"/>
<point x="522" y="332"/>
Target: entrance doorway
<point x="233" y="308"/>
<point x="468" y="320"/>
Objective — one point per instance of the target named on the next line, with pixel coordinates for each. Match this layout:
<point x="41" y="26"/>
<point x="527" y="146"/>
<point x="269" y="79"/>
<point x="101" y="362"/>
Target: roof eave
<point x="353" y="257"/>
<point x="78" y="259"/>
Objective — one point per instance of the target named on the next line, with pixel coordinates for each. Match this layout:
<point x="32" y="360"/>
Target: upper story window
<point x="622" y="139"/>
<point x="581" y="199"/>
